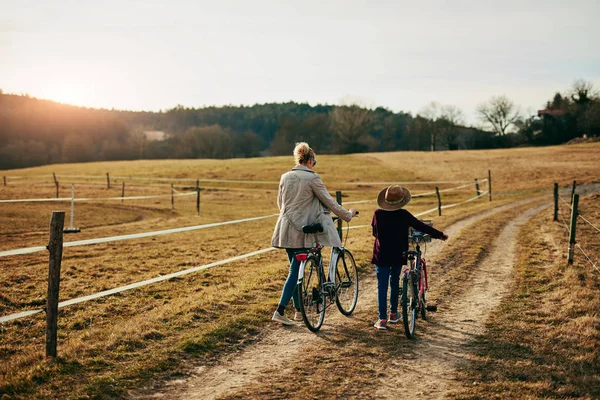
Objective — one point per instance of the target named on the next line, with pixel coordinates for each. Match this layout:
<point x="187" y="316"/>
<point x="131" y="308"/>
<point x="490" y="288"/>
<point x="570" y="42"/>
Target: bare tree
<point x="450" y="120"/>
<point x="500" y="113"/>
<point x="583" y="92"/>
<point x="350" y="126"/>
<point x="432" y="112"/>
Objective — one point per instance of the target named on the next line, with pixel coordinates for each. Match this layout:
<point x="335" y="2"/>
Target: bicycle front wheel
<point x="312" y="296"/>
<point x="422" y="300"/>
<point x="409" y="306"/>
<point x="346" y="278"/>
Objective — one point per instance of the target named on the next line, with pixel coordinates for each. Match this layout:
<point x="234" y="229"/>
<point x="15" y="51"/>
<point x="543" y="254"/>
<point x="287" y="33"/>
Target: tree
<point x="432" y="112"/>
<point x="418" y="135"/>
<point x="350" y="127"/>
<point x="247" y="144"/>
<point x="289" y="132"/>
<point x="78" y="147"/>
<point x="500" y="113"/>
<point x="211" y="142"/>
<point x="583" y="92"/>
<point x="450" y="120"/>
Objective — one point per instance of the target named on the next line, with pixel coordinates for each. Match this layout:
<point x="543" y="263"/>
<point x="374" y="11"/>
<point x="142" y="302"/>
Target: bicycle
<point x="316" y="291"/>
<point x="415" y="284"/>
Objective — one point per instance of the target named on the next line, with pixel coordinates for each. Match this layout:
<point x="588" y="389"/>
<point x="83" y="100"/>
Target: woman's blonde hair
<point x="303" y="153"/>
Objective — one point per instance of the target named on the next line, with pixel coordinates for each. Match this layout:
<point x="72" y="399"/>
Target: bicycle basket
<point x="416" y="236"/>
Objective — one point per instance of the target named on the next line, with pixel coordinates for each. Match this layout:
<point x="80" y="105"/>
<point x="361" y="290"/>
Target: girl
<point x="390" y="228"/>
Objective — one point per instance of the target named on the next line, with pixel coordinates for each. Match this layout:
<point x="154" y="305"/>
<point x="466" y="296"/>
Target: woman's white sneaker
<point x="282" y="318"/>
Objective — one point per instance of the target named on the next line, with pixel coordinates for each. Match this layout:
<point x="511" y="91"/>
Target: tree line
<point x="37" y="132"/>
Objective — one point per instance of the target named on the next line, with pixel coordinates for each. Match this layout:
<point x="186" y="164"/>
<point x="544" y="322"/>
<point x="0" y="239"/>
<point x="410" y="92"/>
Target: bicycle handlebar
<point x="335" y="218"/>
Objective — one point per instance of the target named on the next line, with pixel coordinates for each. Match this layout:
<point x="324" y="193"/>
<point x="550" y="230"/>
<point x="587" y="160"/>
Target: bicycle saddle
<point x="313" y="228"/>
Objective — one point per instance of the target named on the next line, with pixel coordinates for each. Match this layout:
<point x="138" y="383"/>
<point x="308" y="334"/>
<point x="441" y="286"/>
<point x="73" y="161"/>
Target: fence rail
<point x="58" y="177"/>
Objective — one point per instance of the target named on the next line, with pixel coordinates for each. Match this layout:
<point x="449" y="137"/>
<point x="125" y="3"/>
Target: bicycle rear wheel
<point x="409" y="306"/>
<point x="346" y="278"/>
<point x="311" y="295"/>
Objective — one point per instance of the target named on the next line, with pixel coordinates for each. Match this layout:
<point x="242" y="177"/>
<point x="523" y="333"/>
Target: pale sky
<point x="152" y="55"/>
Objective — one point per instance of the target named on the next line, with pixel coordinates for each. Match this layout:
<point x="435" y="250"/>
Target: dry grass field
<point x="113" y="345"/>
<point x="543" y="342"/>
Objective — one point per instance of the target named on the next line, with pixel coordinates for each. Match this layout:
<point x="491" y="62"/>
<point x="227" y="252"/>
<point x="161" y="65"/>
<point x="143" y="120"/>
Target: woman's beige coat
<point x="303" y="200"/>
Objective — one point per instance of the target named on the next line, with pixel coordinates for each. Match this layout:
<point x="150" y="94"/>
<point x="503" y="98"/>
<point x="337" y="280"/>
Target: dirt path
<point x="438" y="353"/>
<point x="443" y="348"/>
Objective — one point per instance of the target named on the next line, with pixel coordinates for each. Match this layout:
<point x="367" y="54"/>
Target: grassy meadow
<point x="543" y="341"/>
<point x="114" y="344"/>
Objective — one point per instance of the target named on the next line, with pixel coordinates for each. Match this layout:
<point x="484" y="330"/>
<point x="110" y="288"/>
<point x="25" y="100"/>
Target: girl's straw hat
<point x="393" y="198"/>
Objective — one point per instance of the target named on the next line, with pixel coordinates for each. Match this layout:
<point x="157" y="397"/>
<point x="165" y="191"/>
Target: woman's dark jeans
<point x="289" y="289"/>
<point x="387" y="275"/>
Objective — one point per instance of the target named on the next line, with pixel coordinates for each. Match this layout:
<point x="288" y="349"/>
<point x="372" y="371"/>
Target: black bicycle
<point x="318" y="291"/>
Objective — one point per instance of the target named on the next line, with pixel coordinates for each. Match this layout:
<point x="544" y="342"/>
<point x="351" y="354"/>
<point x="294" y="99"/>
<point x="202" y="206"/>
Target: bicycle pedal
<point x="432" y="308"/>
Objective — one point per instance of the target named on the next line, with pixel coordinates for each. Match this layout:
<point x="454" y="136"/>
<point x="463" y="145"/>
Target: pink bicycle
<point x="414" y="284"/>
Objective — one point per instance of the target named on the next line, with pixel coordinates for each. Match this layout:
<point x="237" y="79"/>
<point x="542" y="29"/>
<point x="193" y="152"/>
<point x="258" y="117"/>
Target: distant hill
<point x="37" y="132"/>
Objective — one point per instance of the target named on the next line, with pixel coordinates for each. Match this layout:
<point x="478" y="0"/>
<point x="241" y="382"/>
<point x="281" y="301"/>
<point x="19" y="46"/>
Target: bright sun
<point x="65" y="93"/>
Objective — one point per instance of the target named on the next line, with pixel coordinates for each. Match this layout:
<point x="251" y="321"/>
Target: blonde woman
<point x="302" y="200"/>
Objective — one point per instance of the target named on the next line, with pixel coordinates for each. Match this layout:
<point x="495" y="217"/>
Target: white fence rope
<point x="140" y="178"/>
<point x="566" y="202"/>
<point x="29" y="250"/>
<point x="445" y="190"/>
<point x="586" y="256"/>
<point x="594" y="226"/>
<point x="135" y="285"/>
<point x="178" y="194"/>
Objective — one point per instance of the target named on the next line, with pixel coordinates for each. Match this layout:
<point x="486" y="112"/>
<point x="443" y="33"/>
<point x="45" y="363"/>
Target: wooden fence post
<point x="338" y="197"/>
<point x="172" y="198"/>
<point x="5" y="181"/>
<point x="437" y="191"/>
<point x="573" y="190"/>
<point x="555" y="201"/>
<point x="477" y="187"/>
<point x="71" y="228"/>
<point x="55" y="246"/>
<point x="107" y="181"/>
<point x="573" y="228"/>
<point x="197" y="197"/>
<point x="72" y="205"/>
<point x="490" y="184"/>
<point x="122" y="191"/>
<point x="55" y="183"/>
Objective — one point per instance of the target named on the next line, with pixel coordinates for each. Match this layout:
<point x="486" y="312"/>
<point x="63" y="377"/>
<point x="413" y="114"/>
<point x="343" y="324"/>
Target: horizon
<point x="392" y="55"/>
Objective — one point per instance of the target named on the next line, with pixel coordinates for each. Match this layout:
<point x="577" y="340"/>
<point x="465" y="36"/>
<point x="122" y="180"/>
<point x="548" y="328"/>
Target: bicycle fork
<point x="408" y="278"/>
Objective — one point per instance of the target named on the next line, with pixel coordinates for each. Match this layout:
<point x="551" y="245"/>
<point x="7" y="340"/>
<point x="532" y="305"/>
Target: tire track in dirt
<point x="279" y="345"/>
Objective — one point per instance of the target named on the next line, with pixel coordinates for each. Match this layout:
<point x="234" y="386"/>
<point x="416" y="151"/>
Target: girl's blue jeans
<point x="387" y="276"/>
<point x="289" y="289"/>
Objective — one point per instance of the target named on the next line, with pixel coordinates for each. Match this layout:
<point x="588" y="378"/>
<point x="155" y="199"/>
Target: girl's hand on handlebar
<point x="354" y="212"/>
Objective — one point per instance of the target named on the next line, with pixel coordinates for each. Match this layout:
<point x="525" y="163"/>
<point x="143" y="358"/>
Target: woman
<point x="390" y="228"/>
<point x="303" y="200"/>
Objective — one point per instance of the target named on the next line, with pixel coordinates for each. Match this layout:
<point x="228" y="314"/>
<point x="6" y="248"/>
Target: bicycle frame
<point x="335" y="254"/>
<point x="416" y="268"/>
